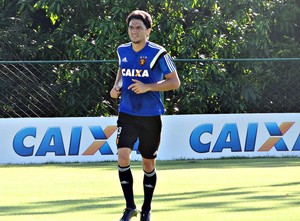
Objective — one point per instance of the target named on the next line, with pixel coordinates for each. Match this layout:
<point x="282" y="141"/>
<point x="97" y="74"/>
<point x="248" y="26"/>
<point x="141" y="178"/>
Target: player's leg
<point x="149" y="184"/>
<point x="125" y="140"/>
<point x="126" y="181"/>
<point x="125" y="176"/>
<point x="150" y="134"/>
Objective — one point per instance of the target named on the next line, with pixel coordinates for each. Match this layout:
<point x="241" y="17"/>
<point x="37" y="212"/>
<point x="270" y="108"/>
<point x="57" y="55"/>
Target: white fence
<point x="91" y="139"/>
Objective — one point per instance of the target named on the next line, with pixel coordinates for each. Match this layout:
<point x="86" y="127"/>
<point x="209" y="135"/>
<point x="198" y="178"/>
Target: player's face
<point x="137" y="31"/>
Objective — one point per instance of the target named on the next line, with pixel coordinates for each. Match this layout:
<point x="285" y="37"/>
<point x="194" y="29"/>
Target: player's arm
<point x="171" y="82"/>
<point x="116" y="90"/>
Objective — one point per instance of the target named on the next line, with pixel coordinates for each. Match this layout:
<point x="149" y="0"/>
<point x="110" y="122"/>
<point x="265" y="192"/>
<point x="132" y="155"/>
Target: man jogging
<point x="145" y="69"/>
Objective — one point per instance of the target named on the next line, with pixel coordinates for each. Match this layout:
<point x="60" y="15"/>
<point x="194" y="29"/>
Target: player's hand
<point x="115" y="92"/>
<point x="138" y="87"/>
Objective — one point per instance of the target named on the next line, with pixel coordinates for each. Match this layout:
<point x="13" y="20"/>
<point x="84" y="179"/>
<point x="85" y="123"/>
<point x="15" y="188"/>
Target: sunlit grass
<point x="227" y="189"/>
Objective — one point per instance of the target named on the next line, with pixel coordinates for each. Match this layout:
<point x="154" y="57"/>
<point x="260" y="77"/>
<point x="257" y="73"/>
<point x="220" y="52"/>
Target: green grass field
<point x="210" y="190"/>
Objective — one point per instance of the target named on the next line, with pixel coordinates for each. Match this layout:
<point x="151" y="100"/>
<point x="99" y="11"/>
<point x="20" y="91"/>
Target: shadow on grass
<point x="227" y="199"/>
<point x="232" y="199"/>
<point x="235" y="199"/>
<point x="61" y="206"/>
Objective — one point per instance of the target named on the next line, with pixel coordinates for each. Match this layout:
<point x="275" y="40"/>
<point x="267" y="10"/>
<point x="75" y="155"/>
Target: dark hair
<point x="140" y="15"/>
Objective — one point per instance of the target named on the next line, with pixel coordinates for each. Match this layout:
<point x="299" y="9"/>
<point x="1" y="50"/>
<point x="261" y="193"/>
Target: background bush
<point x="196" y="29"/>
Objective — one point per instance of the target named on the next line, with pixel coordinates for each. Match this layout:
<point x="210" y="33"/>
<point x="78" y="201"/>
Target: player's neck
<point x="138" y="46"/>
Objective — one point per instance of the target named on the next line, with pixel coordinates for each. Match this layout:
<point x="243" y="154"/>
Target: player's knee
<point x="123" y="161"/>
<point x="148" y="165"/>
<point x="124" y="157"/>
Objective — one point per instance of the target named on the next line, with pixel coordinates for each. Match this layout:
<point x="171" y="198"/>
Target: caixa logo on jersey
<point x="229" y="138"/>
<point x="53" y="141"/>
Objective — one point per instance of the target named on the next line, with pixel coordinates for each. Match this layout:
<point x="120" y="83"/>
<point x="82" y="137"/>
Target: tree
<point x="198" y="29"/>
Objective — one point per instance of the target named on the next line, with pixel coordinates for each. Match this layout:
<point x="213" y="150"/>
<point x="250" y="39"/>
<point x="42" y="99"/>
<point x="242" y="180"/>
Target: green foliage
<point x="198" y="29"/>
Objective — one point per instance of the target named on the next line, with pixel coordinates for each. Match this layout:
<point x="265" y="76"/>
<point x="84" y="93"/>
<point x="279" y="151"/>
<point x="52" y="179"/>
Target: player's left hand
<point x="138" y="87"/>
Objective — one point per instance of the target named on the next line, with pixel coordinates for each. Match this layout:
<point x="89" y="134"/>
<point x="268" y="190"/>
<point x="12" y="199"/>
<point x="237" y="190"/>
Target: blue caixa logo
<point x="53" y="141"/>
<point x="229" y="138"/>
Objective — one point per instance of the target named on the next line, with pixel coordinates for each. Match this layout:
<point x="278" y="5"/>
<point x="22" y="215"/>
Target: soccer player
<point x="145" y="69"/>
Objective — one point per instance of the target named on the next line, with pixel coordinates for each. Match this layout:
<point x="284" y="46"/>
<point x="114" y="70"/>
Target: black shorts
<point x="146" y="129"/>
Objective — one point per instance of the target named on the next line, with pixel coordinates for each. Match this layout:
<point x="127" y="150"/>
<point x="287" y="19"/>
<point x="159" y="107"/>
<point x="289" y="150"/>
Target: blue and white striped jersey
<point x="149" y="65"/>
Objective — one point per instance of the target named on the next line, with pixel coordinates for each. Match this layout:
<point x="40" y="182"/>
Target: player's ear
<point x="148" y="32"/>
